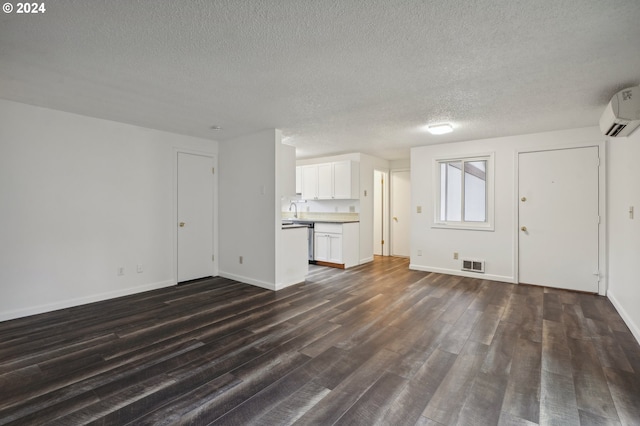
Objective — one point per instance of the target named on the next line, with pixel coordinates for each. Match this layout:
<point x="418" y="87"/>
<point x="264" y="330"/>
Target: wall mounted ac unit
<point x="622" y="115"/>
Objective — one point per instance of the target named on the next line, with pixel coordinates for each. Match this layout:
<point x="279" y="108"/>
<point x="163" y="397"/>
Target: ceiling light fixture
<point x="215" y="127"/>
<point x="440" y="129"/>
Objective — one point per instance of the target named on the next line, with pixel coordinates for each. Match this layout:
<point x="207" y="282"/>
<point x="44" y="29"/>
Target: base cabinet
<point x="337" y="244"/>
<point x="328" y="248"/>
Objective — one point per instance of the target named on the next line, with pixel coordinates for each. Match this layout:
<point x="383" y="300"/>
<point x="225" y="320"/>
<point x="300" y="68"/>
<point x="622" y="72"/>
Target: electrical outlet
<point x="419" y="209"/>
<point x="121" y="271"/>
<point x="352" y="209"/>
<point x="455" y="255"/>
<point x="241" y="260"/>
<point x="139" y="268"/>
<point x="419" y="252"/>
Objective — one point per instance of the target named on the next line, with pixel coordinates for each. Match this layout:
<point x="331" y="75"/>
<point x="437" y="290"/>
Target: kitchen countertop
<point x="303" y="222"/>
<point x="293" y="225"/>
<point x="324" y="217"/>
<point x="334" y="221"/>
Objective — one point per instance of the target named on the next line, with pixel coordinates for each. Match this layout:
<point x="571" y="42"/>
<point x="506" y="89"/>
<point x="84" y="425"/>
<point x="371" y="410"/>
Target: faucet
<point x="296" y="209"/>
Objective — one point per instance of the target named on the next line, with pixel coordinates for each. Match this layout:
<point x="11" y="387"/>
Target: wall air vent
<point x="473" y="265"/>
<point x="615" y="129"/>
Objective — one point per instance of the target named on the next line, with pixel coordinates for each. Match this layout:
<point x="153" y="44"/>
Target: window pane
<point x="475" y="191"/>
<point x="454" y="192"/>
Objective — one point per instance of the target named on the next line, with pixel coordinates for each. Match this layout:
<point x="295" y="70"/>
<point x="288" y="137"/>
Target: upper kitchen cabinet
<point x="325" y="181"/>
<point x="346" y="180"/>
<point x="331" y="181"/>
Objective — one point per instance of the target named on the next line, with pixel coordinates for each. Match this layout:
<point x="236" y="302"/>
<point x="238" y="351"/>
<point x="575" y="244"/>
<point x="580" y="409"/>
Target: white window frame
<point x="488" y="224"/>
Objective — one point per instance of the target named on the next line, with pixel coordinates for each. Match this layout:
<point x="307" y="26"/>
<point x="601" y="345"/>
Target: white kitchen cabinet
<point x="325" y="181"/>
<point x="328" y="248"/>
<point x="328" y="181"/>
<point x="346" y="180"/>
<point x="310" y="182"/>
<point x="321" y="247"/>
<point x="335" y="248"/>
<point x="337" y="244"/>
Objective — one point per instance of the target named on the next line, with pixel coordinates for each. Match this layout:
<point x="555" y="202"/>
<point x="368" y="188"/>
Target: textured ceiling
<point x="335" y="75"/>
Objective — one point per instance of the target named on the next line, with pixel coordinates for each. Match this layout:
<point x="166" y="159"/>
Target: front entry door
<point x="558" y="218"/>
<point x="195" y="216"/>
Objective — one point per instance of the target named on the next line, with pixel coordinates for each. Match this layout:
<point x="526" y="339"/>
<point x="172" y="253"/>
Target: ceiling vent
<point x="622" y="115"/>
<point x="473" y="265"/>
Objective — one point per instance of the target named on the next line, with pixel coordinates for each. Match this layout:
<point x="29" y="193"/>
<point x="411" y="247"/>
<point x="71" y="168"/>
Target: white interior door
<point x="195" y="216"/>
<point x="401" y="213"/>
<point x="558" y="218"/>
<point x="380" y="213"/>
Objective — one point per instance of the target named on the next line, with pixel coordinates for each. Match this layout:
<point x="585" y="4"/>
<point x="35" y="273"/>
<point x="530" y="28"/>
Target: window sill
<point x="463" y="226"/>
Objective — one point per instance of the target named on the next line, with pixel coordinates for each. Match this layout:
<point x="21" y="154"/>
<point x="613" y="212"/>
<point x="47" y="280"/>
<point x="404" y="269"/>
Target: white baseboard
<point x="456" y="272"/>
<point x="281" y="285"/>
<point x="34" y="310"/>
<point x="635" y="330"/>
<point x="247" y="280"/>
<point x="366" y="260"/>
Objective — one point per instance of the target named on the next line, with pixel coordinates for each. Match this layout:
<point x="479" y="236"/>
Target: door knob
<point x="181" y="224"/>
<point x="395" y="218"/>
<point x="523" y="199"/>
<point x="523" y="229"/>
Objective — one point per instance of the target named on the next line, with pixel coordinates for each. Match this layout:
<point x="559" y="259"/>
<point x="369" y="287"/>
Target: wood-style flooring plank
<point x="522" y="397"/>
<point x="592" y="390"/>
<point x="448" y="399"/>
<point x="411" y="401"/>
<point x="558" y="404"/>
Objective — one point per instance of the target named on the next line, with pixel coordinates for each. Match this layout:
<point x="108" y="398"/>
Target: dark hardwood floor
<point x="376" y="344"/>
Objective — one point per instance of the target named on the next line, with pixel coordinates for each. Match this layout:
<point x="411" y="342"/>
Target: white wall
<point x="81" y="197"/>
<point x="498" y="247"/>
<point x="250" y="208"/>
<point x="403" y="164"/>
<point x="624" y="233"/>
<point x="368" y="164"/>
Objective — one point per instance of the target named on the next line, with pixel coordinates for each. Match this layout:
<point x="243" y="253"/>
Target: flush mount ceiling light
<point x="214" y="127"/>
<point x="440" y="129"/>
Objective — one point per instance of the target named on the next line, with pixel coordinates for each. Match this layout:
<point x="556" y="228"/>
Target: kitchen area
<point x="322" y="216"/>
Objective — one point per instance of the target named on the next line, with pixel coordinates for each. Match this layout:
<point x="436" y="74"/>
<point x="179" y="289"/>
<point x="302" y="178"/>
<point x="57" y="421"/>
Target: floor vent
<point x="473" y="265"/>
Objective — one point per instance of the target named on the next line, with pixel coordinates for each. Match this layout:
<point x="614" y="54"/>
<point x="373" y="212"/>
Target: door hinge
<point x="382" y="242"/>
<point x="598" y="164"/>
<point x="213" y="258"/>
<point x="598" y="219"/>
<point x="213" y="170"/>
